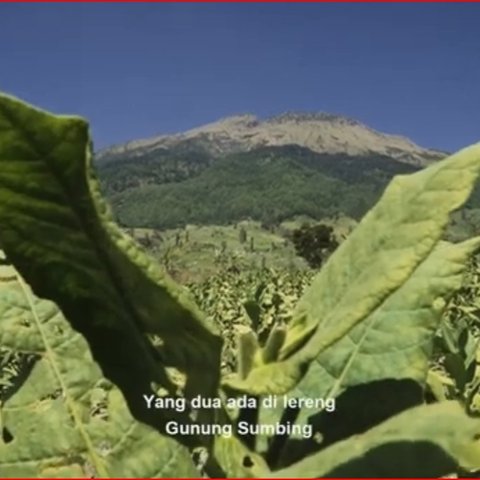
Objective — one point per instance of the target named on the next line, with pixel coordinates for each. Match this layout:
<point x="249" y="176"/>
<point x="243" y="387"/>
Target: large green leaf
<point x="376" y="259"/>
<point x="395" y="342"/>
<point x="59" y="234"/>
<point x="66" y="420"/>
<point x="425" y="441"/>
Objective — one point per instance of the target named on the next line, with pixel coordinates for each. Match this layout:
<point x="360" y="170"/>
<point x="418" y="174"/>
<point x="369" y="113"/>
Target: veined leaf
<point x="375" y="260"/>
<point x="395" y="342"/>
<point x="66" y="420"/>
<point x="425" y="441"/>
<point x="58" y="232"/>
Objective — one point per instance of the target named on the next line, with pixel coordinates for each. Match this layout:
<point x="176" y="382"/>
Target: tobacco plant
<point x="455" y="373"/>
<point x="102" y="325"/>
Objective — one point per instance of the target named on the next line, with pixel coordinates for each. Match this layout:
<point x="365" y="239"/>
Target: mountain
<point x="320" y="132"/>
<point x="294" y="164"/>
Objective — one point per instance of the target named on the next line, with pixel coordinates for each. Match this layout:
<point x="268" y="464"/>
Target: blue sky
<point x="136" y="70"/>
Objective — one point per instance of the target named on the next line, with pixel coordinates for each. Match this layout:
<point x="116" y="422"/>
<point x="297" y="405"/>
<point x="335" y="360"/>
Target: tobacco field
<point x="90" y="323"/>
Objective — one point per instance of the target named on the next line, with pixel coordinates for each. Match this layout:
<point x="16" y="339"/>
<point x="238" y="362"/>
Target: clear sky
<point x="137" y="70"/>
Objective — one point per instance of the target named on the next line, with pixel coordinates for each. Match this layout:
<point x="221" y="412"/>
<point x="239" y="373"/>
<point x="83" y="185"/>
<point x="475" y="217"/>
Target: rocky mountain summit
<point x="319" y="132"/>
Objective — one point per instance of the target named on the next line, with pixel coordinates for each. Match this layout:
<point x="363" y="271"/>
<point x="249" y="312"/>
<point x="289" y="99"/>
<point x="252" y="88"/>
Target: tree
<point x="314" y="243"/>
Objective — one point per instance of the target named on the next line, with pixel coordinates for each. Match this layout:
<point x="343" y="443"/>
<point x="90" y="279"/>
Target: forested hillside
<point x="170" y="188"/>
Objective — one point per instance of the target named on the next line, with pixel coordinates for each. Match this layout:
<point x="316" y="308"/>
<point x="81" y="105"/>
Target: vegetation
<point x="269" y="185"/>
<point x="197" y="252"/>
<point x="95" y="325"/>
<point x="314" y="243"/>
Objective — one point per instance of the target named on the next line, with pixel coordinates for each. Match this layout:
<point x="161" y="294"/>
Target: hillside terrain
<point x="196" y="252"/>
